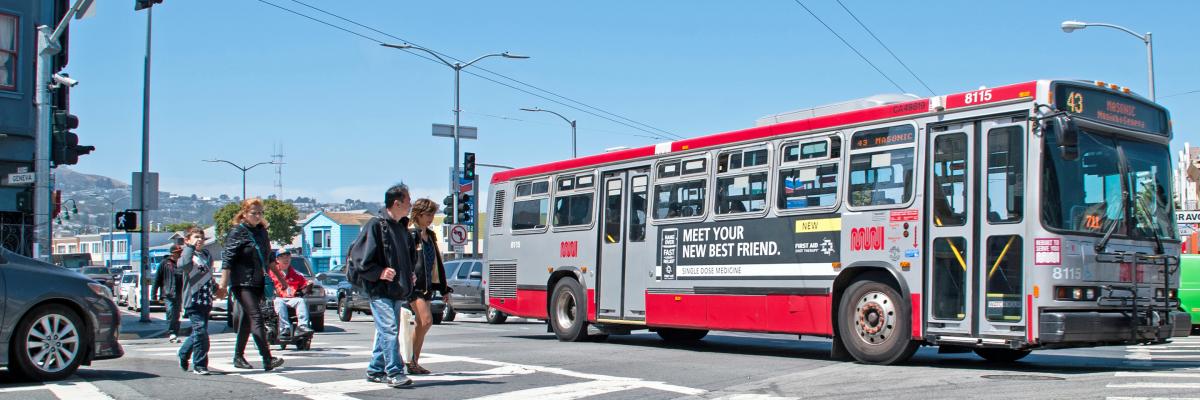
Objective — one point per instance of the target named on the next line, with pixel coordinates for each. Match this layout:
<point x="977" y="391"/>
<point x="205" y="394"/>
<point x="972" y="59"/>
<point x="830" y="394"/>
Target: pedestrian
<point x="289" y="286"/>
<point x="383" y="258"/>
<point x="197" y="272"/>
<point x="244" y="261"/>
<point x="431" y="277"/>
<point x="168" y="282"/>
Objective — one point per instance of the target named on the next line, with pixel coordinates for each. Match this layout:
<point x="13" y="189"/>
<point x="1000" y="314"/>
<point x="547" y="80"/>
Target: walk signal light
<point x="469" y="166"/>
<point x="126" y="221"/>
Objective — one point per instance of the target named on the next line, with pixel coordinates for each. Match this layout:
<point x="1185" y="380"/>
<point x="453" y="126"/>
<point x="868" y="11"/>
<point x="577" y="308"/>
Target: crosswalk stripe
<point x="1157" y="375"/>
<point x="1154" y="385"/>
<point x="1168" y="350"/>
<point x="1152" y="398"/>
<point x="76" y="389"/>
<point x="566" y="392"/>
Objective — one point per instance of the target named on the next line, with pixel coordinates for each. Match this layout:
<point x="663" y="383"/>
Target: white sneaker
<point x="172" y="338"/>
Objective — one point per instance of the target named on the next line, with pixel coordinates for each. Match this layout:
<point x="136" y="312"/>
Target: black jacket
<point x="425" y="271"/>
<point x="371" y="259"/>
<point x="168" y="279"/>
<point x="239" y="257"/>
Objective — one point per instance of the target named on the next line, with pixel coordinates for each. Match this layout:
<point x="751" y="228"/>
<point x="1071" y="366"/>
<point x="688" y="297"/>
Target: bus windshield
<point x="1085" y="194"/>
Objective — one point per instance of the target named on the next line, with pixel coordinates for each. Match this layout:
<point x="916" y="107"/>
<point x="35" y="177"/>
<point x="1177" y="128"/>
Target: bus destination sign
<point x="1111" y="108"/>
<point x="899" y="134"/>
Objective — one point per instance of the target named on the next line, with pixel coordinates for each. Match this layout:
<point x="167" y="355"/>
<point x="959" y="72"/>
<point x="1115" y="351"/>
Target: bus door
<point x="621" y="280"/>
<point x="975" y="205"/>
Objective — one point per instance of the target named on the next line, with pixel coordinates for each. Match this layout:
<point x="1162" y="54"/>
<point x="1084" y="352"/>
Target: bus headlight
<point x="1075" y="293"/>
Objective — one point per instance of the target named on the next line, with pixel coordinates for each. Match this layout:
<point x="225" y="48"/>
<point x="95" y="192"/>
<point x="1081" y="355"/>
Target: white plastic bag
<point x="407" y="328"/>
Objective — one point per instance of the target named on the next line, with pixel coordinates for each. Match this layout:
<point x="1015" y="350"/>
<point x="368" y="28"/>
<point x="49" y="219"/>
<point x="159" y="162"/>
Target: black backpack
<point x="354" y="253"/>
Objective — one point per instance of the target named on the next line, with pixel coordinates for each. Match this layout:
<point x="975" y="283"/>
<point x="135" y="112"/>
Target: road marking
<point x="569" y="391"/>
<point x="1168" y="350"/>
<point x="1154" y="385"/>
<point x="1152" y="398"/>
<point x="1157" y="375"/>
<point x="76" y="389"/>
<point x="754" y="396"/>
<point x="22" y="388"/>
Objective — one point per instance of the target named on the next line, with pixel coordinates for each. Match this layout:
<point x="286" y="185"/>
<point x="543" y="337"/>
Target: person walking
<point x="289" y="286"/>
<point x="383" y="258"/>
<point x="195" y="264"/>
<point x="168" y="283"/>
<point x="430" y="274"/>
<point x="244" y="261"/>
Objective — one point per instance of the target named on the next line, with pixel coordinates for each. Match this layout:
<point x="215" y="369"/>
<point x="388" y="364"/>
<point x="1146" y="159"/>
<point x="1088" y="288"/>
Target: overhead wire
<point x="885" y="47"/>
<point x="659" y="132"/>
<point x="860" y="54"/>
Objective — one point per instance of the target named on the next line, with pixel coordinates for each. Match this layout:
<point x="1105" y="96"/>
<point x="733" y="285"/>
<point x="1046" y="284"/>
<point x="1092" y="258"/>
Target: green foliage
<point x="180" y="227"/>
<point x="280" y="216"/>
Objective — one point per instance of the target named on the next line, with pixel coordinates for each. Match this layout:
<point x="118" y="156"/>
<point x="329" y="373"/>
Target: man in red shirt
<point x="288" y="284"/>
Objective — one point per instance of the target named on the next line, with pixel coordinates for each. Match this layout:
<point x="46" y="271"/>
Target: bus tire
<point x="494" y="316"/>
<point x="682" y="335"/>
<point x="568" y="311"/>
<point x="875" y="325"/>
<point x="1002" y="355"/>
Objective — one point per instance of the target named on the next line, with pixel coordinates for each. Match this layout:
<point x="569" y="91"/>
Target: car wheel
<point x="450" y="314"/>
<point x="494" y="316"/>
<point x="343" y="310"/>
<point x="49" y="343"/>
<point x="318" y="322"/>
<point x="568" y="311"/>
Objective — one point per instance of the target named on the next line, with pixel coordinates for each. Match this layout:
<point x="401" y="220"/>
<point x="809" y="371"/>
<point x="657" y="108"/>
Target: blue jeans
<point x="385" y="354"/>
<point x="172" y="313"/>
<point x="281" y="309"/>
<point x="196" y="344"/>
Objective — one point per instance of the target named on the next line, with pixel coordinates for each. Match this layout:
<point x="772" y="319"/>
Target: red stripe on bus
<point x="591" y="302"/>
<point x="991" y="95"/>
<point x="580" y="162"/>
<point x="916" y="315"/>
<point x="527" y="304"/>
<point x="1029" y="325"/>
<point x="772" y="313"/>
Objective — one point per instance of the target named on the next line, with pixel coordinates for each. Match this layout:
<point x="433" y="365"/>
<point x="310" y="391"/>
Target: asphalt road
<point x="520" y="360"/>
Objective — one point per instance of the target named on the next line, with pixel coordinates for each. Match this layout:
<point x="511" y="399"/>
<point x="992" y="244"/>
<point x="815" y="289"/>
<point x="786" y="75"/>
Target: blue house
<point x="327" y="237"/>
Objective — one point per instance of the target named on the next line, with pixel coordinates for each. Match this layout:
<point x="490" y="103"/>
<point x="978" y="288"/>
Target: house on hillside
<point x="326" y="236"/>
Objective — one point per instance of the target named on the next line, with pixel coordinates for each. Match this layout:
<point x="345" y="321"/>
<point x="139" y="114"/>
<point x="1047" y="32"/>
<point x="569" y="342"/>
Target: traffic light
<point x="464" y="209"/>
<point x="449" y="209"/>
<point x="139" y="5"/>
<point x="65" y="148"/>
<point x="469" y="166"/>
<point x="25" y="201"/>
<point x="126" y="221"/>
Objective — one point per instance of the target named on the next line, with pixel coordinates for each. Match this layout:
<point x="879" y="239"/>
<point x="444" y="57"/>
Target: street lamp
<point x="569" y="121"/>
<point x="457" y="67"/>
<point x="243" y="169"/>
<point x="67" y="213"/>
<point x="1071" y="26"/>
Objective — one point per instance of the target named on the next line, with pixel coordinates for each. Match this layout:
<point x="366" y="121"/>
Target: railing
<point x="1144" y="317"/>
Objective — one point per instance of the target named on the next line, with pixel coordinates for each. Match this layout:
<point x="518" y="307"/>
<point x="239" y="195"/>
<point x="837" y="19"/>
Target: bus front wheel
<point x="875" y="325"/>
<point x="568" y="311"/>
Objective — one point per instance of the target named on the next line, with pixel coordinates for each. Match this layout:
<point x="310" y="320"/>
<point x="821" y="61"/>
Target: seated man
<point x="288" y="285"/>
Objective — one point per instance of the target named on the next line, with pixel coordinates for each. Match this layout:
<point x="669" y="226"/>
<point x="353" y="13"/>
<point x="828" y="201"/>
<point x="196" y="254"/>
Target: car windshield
<point x="333" y="280"/>
<point x="95" y="271"/>
<point x="1088" y="194"/>
<point x="300" y="264"/>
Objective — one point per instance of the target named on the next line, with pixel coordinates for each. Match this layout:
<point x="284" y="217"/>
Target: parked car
<point x="351" y="299"/>
<point x="125" y="289"/>
<point x="332" y="281"/>
<point x="315" y="298"/>
<point x="102" y="274"/>
<point x="49" y="307"/>
<point x="465" y="277"/>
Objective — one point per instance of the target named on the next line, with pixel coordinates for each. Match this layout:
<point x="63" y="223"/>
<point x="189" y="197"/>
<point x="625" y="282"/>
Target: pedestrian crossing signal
<point x="126" y="221"/>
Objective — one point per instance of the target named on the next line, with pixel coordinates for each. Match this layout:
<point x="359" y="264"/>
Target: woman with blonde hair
<point x="245" y="258"/>
<point x="430" y="274"/>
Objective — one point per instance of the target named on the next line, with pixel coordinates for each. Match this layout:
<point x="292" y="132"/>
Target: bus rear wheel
<point x="568" y="311"/>
<point x="1002" y="355"/>
<point x="874" y="324"/>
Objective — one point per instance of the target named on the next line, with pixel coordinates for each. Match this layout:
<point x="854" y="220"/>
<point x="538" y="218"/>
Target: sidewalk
<point x="132" y="329"/>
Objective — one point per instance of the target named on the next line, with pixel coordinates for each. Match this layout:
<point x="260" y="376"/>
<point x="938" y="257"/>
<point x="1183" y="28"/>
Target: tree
<point x="280" y="216"/>
<point x="180" y="226"/>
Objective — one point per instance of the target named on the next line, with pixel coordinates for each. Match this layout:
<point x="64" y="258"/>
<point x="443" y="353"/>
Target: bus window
<point x="806" y="151"/>
<point x="637" y="208"/>
<point x="1005" y="174"/>
<point x="668" y="169"/>
<point x="524" y="189"/>
<point x="693" y="166"/>
<point x="949" y="275"/>
<point x="573" y="210"/>
<point x="881" y="178"/>
<point x="566" y="183"/>
<point x="1004" y="278"/>
<point x="742" y="193"/>
<point x="612" y="212"/>
<point x="542" y="187"/>
<point x="583" y="181"/>
<point x="530" y="214"/>
<point x="810" y="186"/>
<point x="678" y="200"/>
<point x="950" y="180"/>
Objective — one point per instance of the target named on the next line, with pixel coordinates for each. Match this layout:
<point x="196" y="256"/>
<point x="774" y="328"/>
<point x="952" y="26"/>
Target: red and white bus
<point x="1000" y="220"/>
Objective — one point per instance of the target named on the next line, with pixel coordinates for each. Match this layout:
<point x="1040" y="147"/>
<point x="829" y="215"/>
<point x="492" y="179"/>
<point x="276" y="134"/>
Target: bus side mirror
<point x="1068" y="136"/>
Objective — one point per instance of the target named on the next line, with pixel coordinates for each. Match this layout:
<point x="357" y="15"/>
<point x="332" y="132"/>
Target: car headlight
<point x="99" y="289"/>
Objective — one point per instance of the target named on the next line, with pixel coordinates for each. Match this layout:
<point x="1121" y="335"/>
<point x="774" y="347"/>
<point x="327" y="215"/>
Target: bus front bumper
<point x="1088" y="327"/>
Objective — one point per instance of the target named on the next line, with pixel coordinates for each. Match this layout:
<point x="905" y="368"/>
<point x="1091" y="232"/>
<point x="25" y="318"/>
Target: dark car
<point x="351" y="299"/>
<point x="315" y="298"/>
<point x="53" y="320"/>
<point x="465" y="277"/>
<point x="332" y="282"/>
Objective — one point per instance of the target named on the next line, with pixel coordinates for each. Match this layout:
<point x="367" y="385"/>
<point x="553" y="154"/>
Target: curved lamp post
<point x="1071" y="26"/>
<point x="569" y="121"/>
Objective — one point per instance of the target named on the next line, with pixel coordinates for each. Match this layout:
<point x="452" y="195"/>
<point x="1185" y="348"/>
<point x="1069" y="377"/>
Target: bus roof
<point x="884" y="112"/>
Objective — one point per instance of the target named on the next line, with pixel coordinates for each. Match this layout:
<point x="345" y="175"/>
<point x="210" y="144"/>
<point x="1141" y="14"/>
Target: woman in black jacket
<point x="245" y="257"/>
<point x="430" y="277"/>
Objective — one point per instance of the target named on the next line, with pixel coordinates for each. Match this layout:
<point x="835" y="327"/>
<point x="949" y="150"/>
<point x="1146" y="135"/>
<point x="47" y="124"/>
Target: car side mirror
<point x="322" y="276"/>
<point x="1067" y="132"/>
<point x="475" y="275"/>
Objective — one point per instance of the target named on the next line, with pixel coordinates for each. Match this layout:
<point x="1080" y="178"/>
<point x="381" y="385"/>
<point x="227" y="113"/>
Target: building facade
<point x="326" y="236"/>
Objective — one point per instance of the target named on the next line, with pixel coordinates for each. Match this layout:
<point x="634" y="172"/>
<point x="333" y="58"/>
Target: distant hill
<point x="69" y="180"/>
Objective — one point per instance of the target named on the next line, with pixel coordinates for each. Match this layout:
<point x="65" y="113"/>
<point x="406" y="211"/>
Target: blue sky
<point x="232" y="78"/>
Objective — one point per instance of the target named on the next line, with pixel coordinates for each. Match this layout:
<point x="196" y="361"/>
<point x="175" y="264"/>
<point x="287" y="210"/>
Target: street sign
<point x="151" y="191"/>
<point x="1186" y="229"/>
<point x="464" y="132"/>
<point x="457" y="235"/>
<point x="21" y="178"/>
<point x="1187" y="217"/>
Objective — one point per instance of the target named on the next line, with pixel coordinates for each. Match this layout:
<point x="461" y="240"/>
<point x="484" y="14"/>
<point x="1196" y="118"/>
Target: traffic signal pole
<point x="145" y="223"/>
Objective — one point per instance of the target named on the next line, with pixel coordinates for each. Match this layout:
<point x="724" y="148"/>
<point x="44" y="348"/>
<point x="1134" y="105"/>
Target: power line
<point x="885" y="47"/>
<point x="348" y="20"/>
<point x="1181" y="94"/>
<point x="581" y="130"/>
<point x="860" y="55"/>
